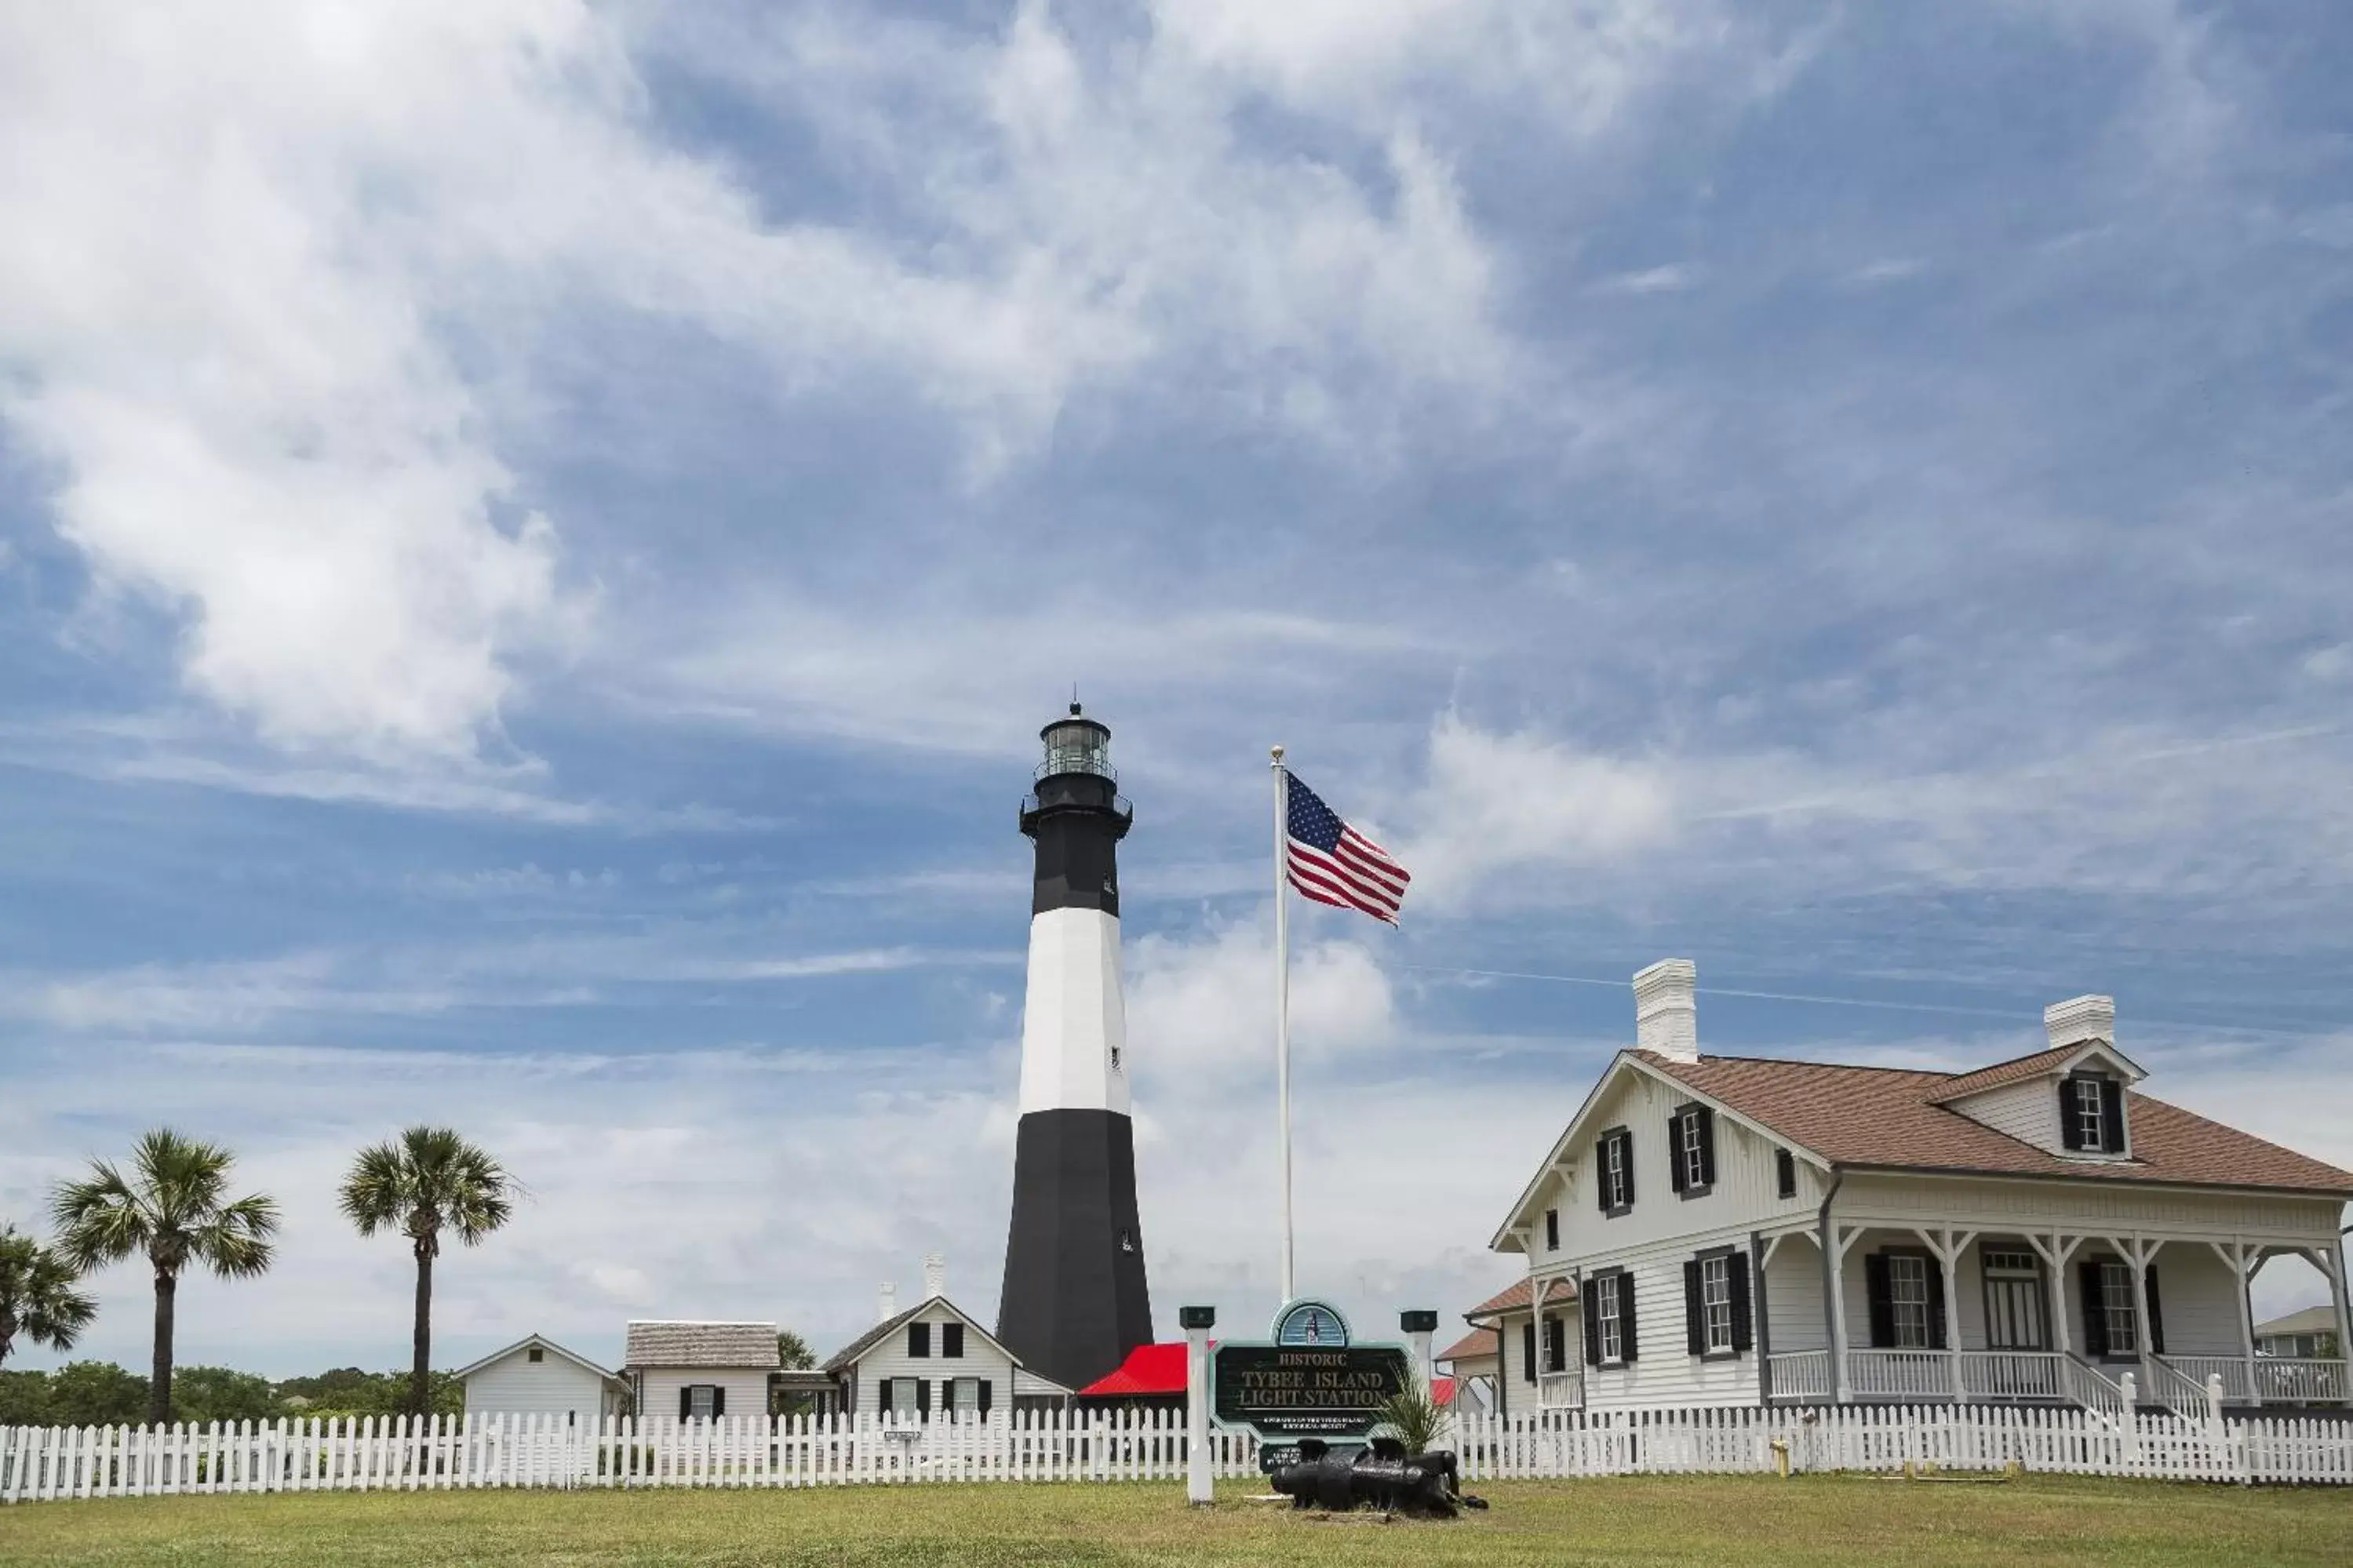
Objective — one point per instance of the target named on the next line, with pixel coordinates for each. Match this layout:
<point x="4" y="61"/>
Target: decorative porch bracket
<point x="1948" y="1253"/>
<point x="2054" y="1258"/>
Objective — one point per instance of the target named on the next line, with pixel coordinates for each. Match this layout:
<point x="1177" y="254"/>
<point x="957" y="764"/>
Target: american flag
<point x="1331" y="863"/>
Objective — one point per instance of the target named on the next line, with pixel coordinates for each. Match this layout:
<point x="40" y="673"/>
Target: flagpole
<point x="1283" y="996"/>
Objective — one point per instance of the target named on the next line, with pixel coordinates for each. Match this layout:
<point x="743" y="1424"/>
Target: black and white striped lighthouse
<point x="1075" y="1300"/>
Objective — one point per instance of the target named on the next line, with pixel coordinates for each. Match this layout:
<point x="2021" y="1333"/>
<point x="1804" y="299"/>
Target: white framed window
<point x="1716" y="1303"/>
<point x="1611" y="1320"/>
<point x="2013" y="1291"/>
<point x="1907" y="1299"/>
<point x="963" y="1395"/>
<point x="906" y="1396"/>
<point x="1691" y="1136"/>
<point x="2116" y="1305"/>
<point x="2091" y="1120"/>
<point x="702" y="1400"/>
<point x="1613" y="1170"/>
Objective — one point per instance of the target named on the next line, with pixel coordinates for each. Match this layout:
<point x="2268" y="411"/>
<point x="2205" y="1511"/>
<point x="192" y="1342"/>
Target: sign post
<point x="1307" y="1380"/>
<point x="1196" y="1321"/>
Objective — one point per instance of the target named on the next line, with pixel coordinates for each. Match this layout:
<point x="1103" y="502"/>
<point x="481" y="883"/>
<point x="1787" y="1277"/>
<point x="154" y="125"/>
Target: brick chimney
<point x="1666" y="1009"/>
<point x="887" y="1308"/>
<point x="935" y="1275"/>
<point x="2081" y="1018"/>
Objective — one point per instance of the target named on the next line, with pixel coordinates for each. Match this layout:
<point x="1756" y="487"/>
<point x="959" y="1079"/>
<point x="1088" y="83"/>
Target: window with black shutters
<point x="919" y="1338"/>
<point x="2092" y="1114"/>
<point x="1609" y="1314"/>
<point x="1691" y="1151"/>
<point x="1555" y="1337"/>
<point x="1785" y="1173"/>
<point x="1613" y="1169"/>
<point x="1552" y="1230"/>
<point x="952" y="1339"/>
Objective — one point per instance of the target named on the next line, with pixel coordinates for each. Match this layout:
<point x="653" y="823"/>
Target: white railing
<point x="2300" y="1380"/>
<point x="41" y="1463"/>
<point x="1899" y="1374"/>
<point x="2011" y="1375"/>
<point x="2084" y="1384"/>
<point x="2165" y="1384"/>
<point x="1560" y="1390"/>
<point x="1801" y="1374"/>
<point x="2231" y="1369"/>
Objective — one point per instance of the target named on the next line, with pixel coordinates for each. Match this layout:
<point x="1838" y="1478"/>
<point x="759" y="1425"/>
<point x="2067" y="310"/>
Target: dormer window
<point x="2091" y="1114"/>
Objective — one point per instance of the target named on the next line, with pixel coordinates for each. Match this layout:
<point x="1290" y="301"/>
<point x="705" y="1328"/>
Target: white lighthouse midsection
<point x="1073" y="1018"/>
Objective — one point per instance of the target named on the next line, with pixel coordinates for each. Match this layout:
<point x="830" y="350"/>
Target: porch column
<point x="2235" y="1254"/>
<point x="2054" y="1264"/>
<point x="2344" y="1300"/>
<point x="1834" y="1286"/>
<point x="2138" y="1255"/>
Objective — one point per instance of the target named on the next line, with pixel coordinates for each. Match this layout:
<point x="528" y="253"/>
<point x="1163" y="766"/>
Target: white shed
<point x="695" y="1369"/>
<point x="536" y="1377"/>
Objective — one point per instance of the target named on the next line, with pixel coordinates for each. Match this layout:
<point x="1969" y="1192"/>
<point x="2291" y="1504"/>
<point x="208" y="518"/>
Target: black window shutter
<point x="919" y="1338"/>
<point x="1694" y="1315"/>
<point x="952" y="1339"/>
<point x="1785" y="1173"/>
<point x="1592" y="1321"/>
<point x="1706" y="1145"/>
<point x="2095" y="1307"/>
<point x="923" y="1396"/>
<point x="1601" y="1174"/>
<point x="1936" y="1276"/>
<point x="1626" y="1313"/>
<point x="2071" y="1134"/>
<point x="985" y="1388"/>
<point x="685" y="1400"/>
<point x="718" y="1399"/>
<point x="2112" y="1116"/>
<point x="882" y="1396"/>
<point x="1626" y="1148"/>
<point x="1742" y="1329"/>
<point x="1675" y="1152"/>
<point x="2155" y="1312"/>
<point x="1881" y="1298"/>
<point x="1528" y="1351"/>
<point x="1552" y="1230"/>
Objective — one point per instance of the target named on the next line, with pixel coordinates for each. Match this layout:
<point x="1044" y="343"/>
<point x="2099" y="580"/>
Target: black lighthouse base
<point x="1075" y="1301"/>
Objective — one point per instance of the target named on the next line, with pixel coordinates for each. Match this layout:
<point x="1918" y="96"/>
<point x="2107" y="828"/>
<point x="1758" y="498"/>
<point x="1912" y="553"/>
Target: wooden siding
<point x="2027" y="1111"/>
<point x="657" y="1386"/>
<point x="1664" y="1371"/>
<point x="553" y="1386"/>
<point x="2090" y="1204"/>
<point x="889" y="1359"/>
<point x="1793" y="1297"/>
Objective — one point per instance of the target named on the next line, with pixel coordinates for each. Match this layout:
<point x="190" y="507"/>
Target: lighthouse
<point x="1075" y="1302"/>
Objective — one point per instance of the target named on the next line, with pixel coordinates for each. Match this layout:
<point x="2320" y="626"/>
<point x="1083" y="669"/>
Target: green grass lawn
<point x="1717" y="1520"/>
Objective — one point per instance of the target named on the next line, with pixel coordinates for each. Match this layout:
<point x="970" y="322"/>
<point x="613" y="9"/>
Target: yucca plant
<point x="174" y="1207"/>
<point x="1412" y="1418"/>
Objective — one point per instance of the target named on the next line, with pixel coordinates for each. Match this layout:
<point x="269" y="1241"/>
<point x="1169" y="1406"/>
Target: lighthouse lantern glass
<point x="1077" y="747"/>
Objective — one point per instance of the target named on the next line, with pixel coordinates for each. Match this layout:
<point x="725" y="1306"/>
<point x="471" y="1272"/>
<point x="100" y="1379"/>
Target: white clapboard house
<point x="698" y="1371"/>
<point x="1729" y="1230"/>
<point x="536" y="1377"/>
<point x="933" y="1358"/>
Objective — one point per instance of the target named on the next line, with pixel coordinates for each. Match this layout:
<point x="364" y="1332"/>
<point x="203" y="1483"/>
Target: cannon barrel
<point x="1382" y="1476"/>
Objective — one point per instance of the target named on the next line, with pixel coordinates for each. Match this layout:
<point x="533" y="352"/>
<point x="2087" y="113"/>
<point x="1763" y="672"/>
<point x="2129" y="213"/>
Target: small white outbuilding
<point x="536" y="1377"/>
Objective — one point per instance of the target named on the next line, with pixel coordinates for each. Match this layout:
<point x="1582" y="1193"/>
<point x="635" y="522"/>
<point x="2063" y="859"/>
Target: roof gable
<point x="543" y="1343"/>
<point x="2056" y="1062"/>
<point x="857" y="1348"/>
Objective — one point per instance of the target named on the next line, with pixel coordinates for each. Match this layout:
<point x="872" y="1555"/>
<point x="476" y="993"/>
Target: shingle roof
<point x="2319" y="1319"/>
<point x="2012" y="1071"/>
<point x="703" y="1344"/>
<point x="1471" y="1346"/>
<point x="1516" y="1297"/>
<point x="1888" y="1117"/>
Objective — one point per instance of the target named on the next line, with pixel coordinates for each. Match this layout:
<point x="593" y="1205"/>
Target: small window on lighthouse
<point x="1115" y="1058"/>
<point x="1127" y="1242"/>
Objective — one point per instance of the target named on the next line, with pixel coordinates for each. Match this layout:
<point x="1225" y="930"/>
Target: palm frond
<point x="102" y="1219"/>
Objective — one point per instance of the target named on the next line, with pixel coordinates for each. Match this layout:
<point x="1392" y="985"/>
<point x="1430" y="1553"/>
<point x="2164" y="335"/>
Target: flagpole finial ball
<point x="1276" y="753"/>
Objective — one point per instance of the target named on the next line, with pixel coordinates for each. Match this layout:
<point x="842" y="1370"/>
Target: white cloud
<point x="1200" y="1009"/>
<point x="1674" y="277"/>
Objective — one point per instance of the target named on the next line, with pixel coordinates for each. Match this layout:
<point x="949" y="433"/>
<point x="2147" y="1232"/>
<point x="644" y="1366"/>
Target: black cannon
<point x="1382" y="1477"/>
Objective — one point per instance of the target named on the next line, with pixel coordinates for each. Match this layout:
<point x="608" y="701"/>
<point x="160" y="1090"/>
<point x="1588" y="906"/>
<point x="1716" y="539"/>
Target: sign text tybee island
<point x="1308" y="1380"/>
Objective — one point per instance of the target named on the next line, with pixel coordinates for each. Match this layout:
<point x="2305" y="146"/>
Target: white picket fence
<point x="387" y="1454"/>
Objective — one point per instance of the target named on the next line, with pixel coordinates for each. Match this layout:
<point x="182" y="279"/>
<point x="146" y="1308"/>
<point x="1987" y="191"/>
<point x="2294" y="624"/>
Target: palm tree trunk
<point x="420" y="1373"/>
<point x="159" y="1377"/>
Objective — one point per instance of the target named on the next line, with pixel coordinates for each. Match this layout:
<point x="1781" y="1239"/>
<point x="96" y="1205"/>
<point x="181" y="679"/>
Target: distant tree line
<point x="101" y="1393"/>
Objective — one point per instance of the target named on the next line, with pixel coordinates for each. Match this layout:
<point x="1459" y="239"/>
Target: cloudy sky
<point x="536" y="540"/>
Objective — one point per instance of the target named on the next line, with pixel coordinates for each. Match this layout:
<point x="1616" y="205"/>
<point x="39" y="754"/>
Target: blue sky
<point x="536" y="540"/>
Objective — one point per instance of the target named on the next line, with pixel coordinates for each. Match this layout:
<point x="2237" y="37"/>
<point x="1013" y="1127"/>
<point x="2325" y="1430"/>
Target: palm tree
<point x="171" y="1208"/>
<point x="430" y="1178"/>
<point x="37" y="1294"/>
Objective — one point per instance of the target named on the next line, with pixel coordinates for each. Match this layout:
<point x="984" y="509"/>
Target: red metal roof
<point x="1148" y="1370"/>
<point x="1442" y="1392"/>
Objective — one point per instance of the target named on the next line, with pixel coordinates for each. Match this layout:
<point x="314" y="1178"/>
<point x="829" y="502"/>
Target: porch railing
<point x="1801" y="1374"/>
<point x="1560" y="1390"/>
<point x="1900" y="1375"/>
<point x="2300" y="1380"/>
<point x="2088" y="1386"/>
<point x="2011" y="1375"/>
<point x="2167" y="1384"/>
